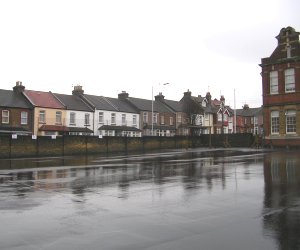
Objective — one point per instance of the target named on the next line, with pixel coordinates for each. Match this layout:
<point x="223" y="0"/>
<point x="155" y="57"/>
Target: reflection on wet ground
<point x="191" y="199"/>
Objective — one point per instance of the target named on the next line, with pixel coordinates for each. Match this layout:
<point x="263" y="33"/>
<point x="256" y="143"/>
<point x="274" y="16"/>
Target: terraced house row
<point x="46" y="113"/>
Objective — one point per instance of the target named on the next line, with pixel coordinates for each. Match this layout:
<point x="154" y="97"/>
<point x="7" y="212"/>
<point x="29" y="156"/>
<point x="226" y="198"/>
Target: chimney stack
<point x="77" y="90"/>
<point x="19" y="88"/>
<point x="222" y="99"/>
<point x="160" y="97"/>
<point x="187" y="94"/>
<point x="123" y="95"/>
<point x="208" y="97"/>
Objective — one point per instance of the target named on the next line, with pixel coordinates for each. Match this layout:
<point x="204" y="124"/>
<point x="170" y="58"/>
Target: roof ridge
<point x="109" y="102"/>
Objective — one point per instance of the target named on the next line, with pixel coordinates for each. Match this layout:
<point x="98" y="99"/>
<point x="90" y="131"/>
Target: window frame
<point x="123" y="120"/>
<point x="5" y="118"/>
<point x="58" y="117"/>
<point x="72" y="118"/>
<point x="274" y="122"/>
<point x="179" y="118"/>
<point x="290" y="121"/>
<point x="145" y="117"/>
<point x="154" y="118"/>
<point x="289" y="80"/>
<point x="24" y="118"/>
<point x="86" y="119"/>
<point x="273" y="82"/>
<point x="101" y="117"/>
<point x="42" y="116"/>
<point x="134" y="120"/>
<point x="162" y="119"/>
<point x="113" y="119"/>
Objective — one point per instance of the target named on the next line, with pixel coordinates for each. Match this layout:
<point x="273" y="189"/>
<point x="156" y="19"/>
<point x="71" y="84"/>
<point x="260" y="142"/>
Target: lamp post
<point x="152" y="108"/>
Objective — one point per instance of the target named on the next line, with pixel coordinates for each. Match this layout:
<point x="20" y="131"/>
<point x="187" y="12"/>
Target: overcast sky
<point x="133" y="45"/>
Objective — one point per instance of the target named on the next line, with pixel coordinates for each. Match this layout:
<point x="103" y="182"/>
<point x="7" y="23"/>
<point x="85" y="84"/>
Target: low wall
<point x="25" y="146"/>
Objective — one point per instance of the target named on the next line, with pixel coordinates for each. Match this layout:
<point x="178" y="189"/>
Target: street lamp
<point x="152" y="108"/>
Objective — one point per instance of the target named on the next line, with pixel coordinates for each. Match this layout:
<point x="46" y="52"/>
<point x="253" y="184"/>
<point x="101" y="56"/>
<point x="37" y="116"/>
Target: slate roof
<point x="43" y="99"/>
<point x="177" y="106"/>
<point x="108" y="103"/>
<point x="73" y="102"/>
<point x="123" y="106"/>
<point x="146" y="105"/>
<point x="249" y="112"/>
<point x="98" y="102"/>
<point x="8" y="98"/>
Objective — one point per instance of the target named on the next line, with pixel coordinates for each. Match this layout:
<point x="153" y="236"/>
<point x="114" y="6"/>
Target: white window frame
<point x="225" y="117"/>
<point x="42" y="116"/>
<point x="290" y="121"/>
<point x="123" y="119"/>
<point x="162" y="119"/>
<point x="145" y="117"/>
<point x="86" y="119"/>
<point x="179" y="118"/>
<point x="289" y="79"/>
<point x="154" y="118"/>
<point x="101" y="117"/>
<point x="171" y="121"/>
<point x="274" y="122"/>
<point x="206" y="115"/>
<point x="58" y="117"/>
<point x="199" y="120"/>
<point x="273" y="82"/>
<point x="24" y="118"/>
<point x="134" y="120"/>
<point x="72" y="118"/>
<point x="5" y="116"/>
<point x="113" y="119"/>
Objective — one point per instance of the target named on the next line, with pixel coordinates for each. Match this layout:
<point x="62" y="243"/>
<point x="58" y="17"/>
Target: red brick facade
<point x="280" y="127"/>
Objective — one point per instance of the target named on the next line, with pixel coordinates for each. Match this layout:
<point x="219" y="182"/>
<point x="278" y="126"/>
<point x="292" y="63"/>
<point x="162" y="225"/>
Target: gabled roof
<point x="99" y="102"/>
<point x="249" y="112"/>
<point x="210" y="109"/>
<point x="216" y="102"/>
<point x="73" y="102"/>
<point x="43" y="99"/>
<point x="122" y="106"/>
<point x="146" y="105"/>
<point x="177" y="106"/>
<point x="8" y="98"/>
<point x="110" y="104"/>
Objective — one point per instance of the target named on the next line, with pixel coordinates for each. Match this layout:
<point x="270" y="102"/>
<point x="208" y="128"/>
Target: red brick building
<point x="281" y="91"/>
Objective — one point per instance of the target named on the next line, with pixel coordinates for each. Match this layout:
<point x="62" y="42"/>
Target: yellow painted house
<point x="49" y="114"/>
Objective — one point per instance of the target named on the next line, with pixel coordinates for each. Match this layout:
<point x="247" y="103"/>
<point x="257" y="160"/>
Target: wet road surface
<point x="192" y="199"/>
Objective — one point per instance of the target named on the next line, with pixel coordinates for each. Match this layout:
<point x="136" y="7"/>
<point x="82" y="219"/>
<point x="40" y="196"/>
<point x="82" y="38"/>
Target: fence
<point x="25" y="146"/>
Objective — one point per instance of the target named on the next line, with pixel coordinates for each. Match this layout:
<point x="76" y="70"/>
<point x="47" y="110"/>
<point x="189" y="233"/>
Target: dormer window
<point x="203" y="103"/>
